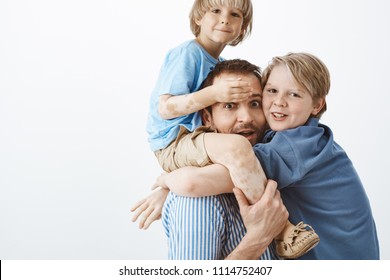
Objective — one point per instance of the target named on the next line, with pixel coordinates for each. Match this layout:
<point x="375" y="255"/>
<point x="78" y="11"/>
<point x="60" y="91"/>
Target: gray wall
<point x="75" y="80"/>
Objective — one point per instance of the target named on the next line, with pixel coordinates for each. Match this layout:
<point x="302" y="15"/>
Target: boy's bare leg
<point x="236" y="154"/>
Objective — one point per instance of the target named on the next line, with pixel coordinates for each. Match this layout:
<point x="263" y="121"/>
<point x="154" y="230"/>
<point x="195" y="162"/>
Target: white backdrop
<point x="75" y="80"/>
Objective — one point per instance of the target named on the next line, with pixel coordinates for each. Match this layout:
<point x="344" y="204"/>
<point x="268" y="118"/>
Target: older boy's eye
<point x="236" y="14"/>
<point x="294" y="94"/>
<point x="270" y="90"/>
<point x="215" y="10"/>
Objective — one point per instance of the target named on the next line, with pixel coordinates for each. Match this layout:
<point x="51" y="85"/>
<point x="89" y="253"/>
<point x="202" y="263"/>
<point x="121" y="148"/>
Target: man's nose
<point x="244" y="115"/>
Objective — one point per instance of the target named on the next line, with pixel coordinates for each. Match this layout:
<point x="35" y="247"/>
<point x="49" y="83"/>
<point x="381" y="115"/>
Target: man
<point x="212" y="227"/>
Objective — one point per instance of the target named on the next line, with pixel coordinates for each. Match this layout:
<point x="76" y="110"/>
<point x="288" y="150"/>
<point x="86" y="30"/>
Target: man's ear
<point x="206" y="117"/>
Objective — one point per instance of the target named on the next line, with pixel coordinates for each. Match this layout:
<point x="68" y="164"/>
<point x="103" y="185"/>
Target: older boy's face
<point x="286" y="104"/>
<point x="245" y="118"/>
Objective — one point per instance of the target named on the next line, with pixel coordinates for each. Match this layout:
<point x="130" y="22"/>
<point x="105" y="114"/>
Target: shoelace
<point x="296" y="246"/>
<point x="298" y="228"/>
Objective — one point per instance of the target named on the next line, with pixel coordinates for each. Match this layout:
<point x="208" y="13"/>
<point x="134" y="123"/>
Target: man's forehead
<point x="236" y="75"/>
<point x="251" y="77"/>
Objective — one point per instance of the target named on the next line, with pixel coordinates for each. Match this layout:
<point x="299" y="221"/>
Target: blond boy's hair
<point x="200" y="7"/>
<point x="308" y="71"/>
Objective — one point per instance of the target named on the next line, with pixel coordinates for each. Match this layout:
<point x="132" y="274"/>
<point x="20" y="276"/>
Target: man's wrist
<point x="251" y="247"/>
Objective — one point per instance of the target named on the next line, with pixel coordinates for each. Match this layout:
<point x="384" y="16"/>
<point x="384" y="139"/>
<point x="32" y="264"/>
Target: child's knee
<point x="240" y="145"/>
<point x="240" y="150"/>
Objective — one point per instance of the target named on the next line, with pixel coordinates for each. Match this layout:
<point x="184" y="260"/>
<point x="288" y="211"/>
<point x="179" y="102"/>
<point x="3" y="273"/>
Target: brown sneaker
<point x="296" y="241"/>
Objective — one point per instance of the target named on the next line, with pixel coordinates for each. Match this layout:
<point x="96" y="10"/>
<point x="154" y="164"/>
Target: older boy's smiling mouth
<point x="278" y="115"/>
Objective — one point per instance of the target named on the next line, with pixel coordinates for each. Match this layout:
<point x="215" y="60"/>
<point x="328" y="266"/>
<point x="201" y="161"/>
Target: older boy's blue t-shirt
<point x="320" y="186"/>
<point x="183" y="71"/>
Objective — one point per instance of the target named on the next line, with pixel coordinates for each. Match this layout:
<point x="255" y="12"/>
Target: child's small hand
<point x="232" y="90"/>
<point x="149" y="209"/>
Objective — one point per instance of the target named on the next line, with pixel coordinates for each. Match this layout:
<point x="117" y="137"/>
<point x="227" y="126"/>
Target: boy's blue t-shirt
<point x="183" y="71"/>
<point x="320" y="186"/>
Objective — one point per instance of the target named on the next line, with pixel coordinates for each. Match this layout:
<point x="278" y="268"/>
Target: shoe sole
<point x="305" y="249"/>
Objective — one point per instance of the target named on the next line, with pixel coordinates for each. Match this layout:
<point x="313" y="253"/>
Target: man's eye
<point x="256" y="104"/>
<point x="229" y="106"/>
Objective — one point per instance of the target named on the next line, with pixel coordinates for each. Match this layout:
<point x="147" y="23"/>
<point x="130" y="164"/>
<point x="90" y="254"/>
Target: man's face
<point x="245" y="118"/>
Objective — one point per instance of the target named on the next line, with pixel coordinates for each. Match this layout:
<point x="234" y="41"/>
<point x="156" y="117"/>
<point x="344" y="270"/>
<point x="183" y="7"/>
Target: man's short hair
<point x="232" y="66"/>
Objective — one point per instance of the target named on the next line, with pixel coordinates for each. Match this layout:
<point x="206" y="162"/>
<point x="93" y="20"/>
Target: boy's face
<point x="220" y="25"/>
<point x="245" y="118"/>
<point x="285" y="103"/>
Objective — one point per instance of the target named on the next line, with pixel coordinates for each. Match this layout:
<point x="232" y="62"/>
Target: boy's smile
<point x="286" y="104"/>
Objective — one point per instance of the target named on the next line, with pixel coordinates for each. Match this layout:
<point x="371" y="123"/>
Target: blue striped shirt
<point x="204" y="228"/>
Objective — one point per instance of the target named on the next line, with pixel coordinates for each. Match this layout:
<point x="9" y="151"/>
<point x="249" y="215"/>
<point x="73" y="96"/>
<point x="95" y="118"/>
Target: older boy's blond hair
<point x="200" y="7"/>
<point x="308" y="71"/>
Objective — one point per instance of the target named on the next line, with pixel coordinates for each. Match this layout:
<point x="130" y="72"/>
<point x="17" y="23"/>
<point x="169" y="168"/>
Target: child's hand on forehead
<point x="232" y="89"/>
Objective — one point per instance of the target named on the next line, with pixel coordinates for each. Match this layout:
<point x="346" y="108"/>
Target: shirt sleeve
<point x="178" y="73"/>
<point x="291" y="154"/>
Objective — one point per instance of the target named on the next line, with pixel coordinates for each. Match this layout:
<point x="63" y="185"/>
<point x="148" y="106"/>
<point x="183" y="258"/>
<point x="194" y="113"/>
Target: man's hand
<point x="149" y="209"/>
<point x="263" y="220"/>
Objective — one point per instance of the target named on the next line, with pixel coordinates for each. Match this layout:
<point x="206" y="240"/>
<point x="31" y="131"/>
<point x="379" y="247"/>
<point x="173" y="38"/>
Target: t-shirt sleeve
<point x="290" y="155"/>
<point x="178" y="72"/>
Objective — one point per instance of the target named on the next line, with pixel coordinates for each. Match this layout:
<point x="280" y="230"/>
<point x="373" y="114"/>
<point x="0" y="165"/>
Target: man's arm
<point x="188" y="181"/>
<point x="194" y="181"/>
<point x="149" y="208"/>
<point x="263" y="220"/>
